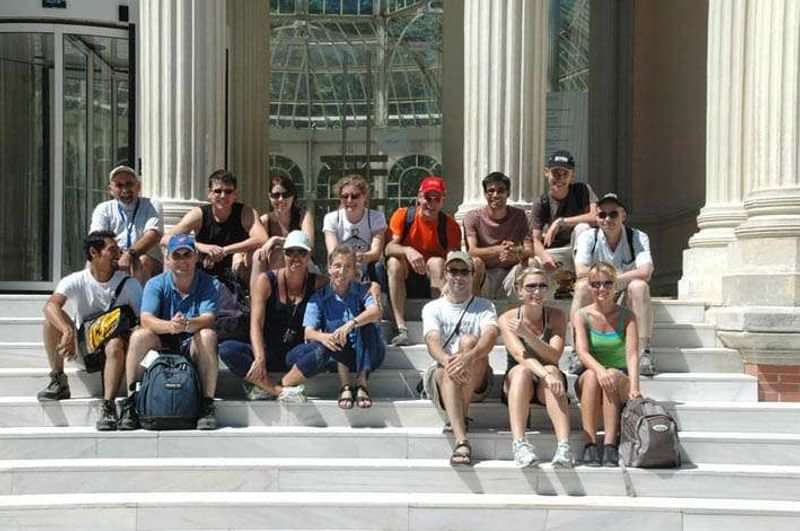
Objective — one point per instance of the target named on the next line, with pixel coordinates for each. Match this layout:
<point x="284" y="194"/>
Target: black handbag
<point x="101" y="327"/>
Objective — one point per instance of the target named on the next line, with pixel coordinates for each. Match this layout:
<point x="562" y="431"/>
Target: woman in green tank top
<point x="534" y="337"/>
<point x="608" y="346"/>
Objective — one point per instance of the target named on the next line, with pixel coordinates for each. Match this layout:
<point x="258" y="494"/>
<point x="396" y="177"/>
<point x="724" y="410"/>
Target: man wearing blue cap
<point x="178" y="310"/>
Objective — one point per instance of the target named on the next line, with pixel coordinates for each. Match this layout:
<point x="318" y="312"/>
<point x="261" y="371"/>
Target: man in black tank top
<point x="227" y="232"/>
<point x="565" y="210"/>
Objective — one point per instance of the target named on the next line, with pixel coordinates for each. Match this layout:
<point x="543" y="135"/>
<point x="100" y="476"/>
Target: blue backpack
<point x="169" y="397"/>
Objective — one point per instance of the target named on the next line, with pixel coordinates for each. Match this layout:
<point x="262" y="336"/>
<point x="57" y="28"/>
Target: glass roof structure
<point x="355" y="63"/>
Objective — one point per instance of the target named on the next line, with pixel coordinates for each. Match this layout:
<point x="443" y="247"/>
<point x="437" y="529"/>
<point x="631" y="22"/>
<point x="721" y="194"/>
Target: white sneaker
<point x="524" y="454"/>
<point x="292" y="394"/>
<point x="647" y="363"/>
<point x="563" y="457"/>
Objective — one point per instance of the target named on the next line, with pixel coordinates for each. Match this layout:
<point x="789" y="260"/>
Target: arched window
<point x="404" y="179"/>
<point x="280" y="165"/>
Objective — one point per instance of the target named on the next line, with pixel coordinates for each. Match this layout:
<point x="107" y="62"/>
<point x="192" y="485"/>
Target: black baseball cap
<point x="561" y="159"/>
<point x="610" y="198"/>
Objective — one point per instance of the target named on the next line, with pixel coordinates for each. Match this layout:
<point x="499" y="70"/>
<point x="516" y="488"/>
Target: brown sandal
<point x="362" y="397"/>
<point x="462" y="454"/>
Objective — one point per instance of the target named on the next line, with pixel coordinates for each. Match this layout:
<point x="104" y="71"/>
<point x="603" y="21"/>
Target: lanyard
<point x="129" y="224"/>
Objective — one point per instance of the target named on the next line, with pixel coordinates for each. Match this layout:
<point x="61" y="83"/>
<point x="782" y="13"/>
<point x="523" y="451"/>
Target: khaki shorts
<point x="498" y="283"/>
<point x="432" y="388"/>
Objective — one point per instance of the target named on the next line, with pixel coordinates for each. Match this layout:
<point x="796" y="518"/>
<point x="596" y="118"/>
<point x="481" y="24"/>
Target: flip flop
<point x="345" y="402"/>
<point x="462" y="454"/>
<point x="362" y="397"/>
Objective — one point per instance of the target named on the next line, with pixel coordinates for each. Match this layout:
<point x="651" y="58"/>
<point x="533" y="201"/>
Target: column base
<point x="174" y="209"/>
<point x="702" y="277"/>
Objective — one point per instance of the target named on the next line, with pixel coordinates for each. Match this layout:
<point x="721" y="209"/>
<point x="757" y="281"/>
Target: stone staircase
<point x="314" y="466"/>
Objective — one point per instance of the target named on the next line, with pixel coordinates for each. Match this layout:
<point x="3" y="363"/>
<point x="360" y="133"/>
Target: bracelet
<point x="355" y="322"/>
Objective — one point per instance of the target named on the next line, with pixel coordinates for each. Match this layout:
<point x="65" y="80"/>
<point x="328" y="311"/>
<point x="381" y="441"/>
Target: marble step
<point x="402" y="383"/>
<point x="388" y="511"/>
<point x="333" y="442"/>
<point x="665" y="334"/>
<point x="672" y="359"/>
<point x="746" y="417"/>
<point x="109" y="475"/>
<point x="664" y="310"/>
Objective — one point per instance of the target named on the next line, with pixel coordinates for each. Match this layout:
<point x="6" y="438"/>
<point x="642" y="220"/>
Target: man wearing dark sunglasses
<point x="561" y="214"/>
<point x="135" y="221"/>
<point x="226" y="230"/>
<point x="459" y="331"/>
<point x="498" y="239"/>
<point x="628" y="250"/>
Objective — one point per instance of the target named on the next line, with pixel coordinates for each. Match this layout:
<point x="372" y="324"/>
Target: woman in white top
<point x="353" y="224"/>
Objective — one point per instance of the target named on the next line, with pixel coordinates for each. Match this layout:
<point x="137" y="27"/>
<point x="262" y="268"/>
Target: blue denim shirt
<point x="162" y="299"/>
<point x="326" y="311"/>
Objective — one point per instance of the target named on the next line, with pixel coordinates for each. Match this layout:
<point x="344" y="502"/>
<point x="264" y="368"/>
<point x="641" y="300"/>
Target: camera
<point x="289" y="336"/>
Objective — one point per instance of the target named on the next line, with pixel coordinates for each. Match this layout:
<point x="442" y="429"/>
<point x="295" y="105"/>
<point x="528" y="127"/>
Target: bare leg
<point x="115" y="367"/>
<point x="148" y="268"/>
<point x="612" y="406"/>
<point x="397" y="272"/>
<point x="639" y="302"/>
<point x="478" y="276"/>
<point x="557" y="407"/>
<point x="591" y="402"/>
<point x="435" y="267"/>
<point x="452" y="398"/>
<point x="142" y="340"/>
<point x="519" y="393"/>
<point x="52" y="336"/>
<point x="204" y="355"/>
<point x="581" y="297"/>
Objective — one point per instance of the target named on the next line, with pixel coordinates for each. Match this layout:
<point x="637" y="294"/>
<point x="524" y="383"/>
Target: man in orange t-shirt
<point x="415" y="254"/>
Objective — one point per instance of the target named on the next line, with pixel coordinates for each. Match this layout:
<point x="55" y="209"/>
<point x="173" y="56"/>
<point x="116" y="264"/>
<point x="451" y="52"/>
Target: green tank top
<point x="608" y="348"/>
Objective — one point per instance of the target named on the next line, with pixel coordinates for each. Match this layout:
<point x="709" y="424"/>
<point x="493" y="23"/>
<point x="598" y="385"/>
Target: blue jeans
<point x="238" y="356"/>
<point x="364" y="351"/>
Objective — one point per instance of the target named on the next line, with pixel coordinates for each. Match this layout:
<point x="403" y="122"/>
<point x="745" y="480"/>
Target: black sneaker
<point x="591" y="455"/>
<point x="610" y="456"/>
<point x="108" y="416"/>
<point x="128" y="418"/>
<point x="57" y="389"/>
<point x="208" y="417"/>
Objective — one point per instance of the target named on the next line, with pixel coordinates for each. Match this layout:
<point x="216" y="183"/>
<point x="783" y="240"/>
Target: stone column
<point x="725" y="153"/>
<point x="248" y="89"/>
<point x="182" y="50"/>
<point x="761" y="291"/>
<point x="505" y="71"/>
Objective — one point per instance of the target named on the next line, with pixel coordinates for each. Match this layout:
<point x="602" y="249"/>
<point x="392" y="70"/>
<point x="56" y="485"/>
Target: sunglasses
<point x="280" y="195"/>
<point x="459" y="272"/>
<point x="607" y="284"/>
<point x="530" y="288"/>
<point x="294" y="253"/>
<point x="614" y="214"/>
<point x="220" y="191"/>
<point x="345" y="197"/>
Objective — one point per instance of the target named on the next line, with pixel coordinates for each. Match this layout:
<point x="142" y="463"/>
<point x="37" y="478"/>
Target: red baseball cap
<point x="433" y="183"/>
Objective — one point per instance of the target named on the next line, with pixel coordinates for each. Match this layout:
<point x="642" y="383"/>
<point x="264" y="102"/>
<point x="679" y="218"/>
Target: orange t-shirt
<point x="423" y="234"/>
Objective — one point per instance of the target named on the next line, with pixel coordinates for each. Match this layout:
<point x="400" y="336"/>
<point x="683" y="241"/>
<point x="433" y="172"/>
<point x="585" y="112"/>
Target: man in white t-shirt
<point x="135" y="221"/>
<point x="87" y="292"/>
<point x="460" y="331"/>
<point x="628" y="250"/>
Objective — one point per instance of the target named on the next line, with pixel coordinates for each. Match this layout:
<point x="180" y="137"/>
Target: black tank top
<point x="222" y="234"/>
<point x="283" y="316"/>
<point x="547" y="333"/>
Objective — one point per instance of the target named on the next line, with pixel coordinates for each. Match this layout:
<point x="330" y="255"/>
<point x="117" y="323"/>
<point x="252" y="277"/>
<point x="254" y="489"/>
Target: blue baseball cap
<point x="181" y="241"/>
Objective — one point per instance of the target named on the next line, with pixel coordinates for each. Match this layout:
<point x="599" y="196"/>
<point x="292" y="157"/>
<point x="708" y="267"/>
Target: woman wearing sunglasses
<point x="285" y="216"/>
<point x="278" y="301"/>
<point x="607" y="344"/>
<point x="353" y="224"/>
<point x="534" y="337"/>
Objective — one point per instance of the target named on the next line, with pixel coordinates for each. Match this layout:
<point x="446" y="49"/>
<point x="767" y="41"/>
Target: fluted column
<point x="182" y="50"/>
<point x="505" y="71"/>
<point x="725" y="153"/>
<point x="761" y="291"/>
<point x="248" y="87"/>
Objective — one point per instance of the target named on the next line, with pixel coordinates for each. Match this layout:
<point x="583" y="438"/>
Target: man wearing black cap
<point x="562" y="213"/>
<point x="628" y="250"/>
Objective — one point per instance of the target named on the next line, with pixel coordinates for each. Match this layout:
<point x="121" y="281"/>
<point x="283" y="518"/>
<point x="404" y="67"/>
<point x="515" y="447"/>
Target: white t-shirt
<point x="620" y="257"/>
<point x="442" y="315"/>
<point x="359" y="235"/>
<point x="85" y="295"/>
<point x="116" y="216"/>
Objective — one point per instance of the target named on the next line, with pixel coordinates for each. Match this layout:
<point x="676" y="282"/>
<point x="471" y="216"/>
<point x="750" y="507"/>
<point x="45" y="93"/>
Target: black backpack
<point x="169" y="397"/>
<point x="441" y="226"/>
<point x="649" y="437"/>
